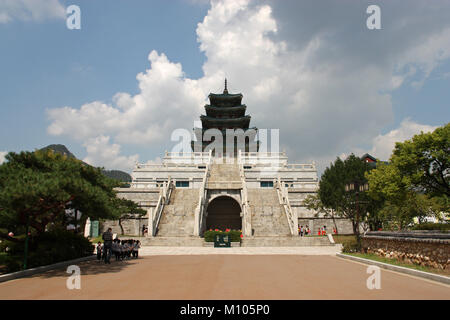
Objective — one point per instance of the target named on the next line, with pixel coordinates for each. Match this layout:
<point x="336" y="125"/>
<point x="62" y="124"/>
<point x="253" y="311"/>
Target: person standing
<point x="107" y="244"/>
<point x="99" y="251"/>
<point x="137" y="246"/>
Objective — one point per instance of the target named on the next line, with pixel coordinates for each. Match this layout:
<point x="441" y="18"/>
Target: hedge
<point x="48" y="248"/>
<point x="432" y="226"/>
<point x="210" y="235"/>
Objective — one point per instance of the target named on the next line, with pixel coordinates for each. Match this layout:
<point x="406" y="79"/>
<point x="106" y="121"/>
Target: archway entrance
<point x="224" y="212"/>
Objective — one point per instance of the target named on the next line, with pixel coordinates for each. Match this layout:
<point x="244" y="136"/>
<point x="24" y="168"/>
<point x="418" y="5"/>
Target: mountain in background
<point x="113" y="174"/>
<point x="59" y="148"/>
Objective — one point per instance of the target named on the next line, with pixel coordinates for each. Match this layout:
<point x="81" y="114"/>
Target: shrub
<point x="432" y="226"/>
<point x="50" y="247"/>
<point x="350" y="245"/>
<point x="210" y="235"/>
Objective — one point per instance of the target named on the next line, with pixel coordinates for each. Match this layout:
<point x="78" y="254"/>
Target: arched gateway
<point x="224" y="212"/>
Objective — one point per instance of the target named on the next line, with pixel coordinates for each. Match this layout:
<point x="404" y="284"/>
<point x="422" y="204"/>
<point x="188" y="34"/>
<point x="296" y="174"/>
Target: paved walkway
<point x="322" y="250"/>
<point x="237" y="277"/>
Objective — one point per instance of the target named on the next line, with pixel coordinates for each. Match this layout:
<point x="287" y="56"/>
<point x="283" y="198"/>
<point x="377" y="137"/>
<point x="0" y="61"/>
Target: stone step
<point x="177" y="218"/>
<point x="268" y="241"/>
<point x="173" y="241"/>
<point x="288" y="241"/>
<point x="267" y="215"/>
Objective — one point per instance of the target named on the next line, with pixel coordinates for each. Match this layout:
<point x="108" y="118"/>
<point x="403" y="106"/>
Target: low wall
<point x="131" y="227"/>
<point x="425" y="248"/>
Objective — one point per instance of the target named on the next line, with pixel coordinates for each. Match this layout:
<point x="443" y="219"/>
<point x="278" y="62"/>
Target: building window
<point x="159" y="184"/>
<point x="182" y="184"/>
<point x="288" y="184"/>
<point x="266" y="184"/>
<point x="247" y="167"/>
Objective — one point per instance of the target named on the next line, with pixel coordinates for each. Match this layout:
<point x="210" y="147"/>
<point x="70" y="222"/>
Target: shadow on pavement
<point x="92" y="267"/>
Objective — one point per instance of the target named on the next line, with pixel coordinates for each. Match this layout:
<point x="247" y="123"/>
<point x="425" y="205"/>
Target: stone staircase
<point x="224" y="176"/>
<point x="177" y="219"/>
<point x="267" y="215"/>
<point x="185" y="241"/>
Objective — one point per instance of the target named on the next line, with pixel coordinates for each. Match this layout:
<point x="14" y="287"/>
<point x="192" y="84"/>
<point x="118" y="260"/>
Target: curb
<point x="33" y="271"/>
<point x="417" y="273"/>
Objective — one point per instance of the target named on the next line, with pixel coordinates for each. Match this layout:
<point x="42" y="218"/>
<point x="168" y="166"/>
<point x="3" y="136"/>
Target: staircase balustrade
<point x="200" y="209"/>
<point x="247" y="226"/>
<point x="164" y="198"/>
<point x="283" y="196"/>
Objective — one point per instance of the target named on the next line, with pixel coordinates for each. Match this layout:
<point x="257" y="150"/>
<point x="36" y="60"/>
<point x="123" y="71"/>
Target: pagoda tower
<point x="226" y="112"/>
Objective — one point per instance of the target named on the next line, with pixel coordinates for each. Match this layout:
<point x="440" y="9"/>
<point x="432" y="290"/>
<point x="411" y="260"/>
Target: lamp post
<point x="357" y="187"/>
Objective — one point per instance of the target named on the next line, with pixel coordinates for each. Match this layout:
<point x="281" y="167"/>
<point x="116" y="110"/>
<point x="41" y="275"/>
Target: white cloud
<point x="30" y="10"/>
<point x="383" y="145"/>
<point x="2" y="156"/>
<point x="101" y="153"/>
<point x="327" y="94"/>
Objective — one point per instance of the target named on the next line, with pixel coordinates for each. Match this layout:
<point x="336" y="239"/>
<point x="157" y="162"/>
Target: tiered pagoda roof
<point x="224" y="111"/>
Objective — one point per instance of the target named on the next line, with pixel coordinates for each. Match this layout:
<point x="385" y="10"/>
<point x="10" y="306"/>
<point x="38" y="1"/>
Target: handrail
<point x="164" y="197"/>
<point x="247" y="226"/>
<point x="200" y="209"/>
<point x="283" y="197"/>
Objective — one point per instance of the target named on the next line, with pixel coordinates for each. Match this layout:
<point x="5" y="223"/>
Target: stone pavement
<point x="316" y="250"/>
<point x="229" y="277"/>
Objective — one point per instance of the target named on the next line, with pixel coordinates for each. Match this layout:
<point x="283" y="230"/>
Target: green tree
<point x="425" y="161"/>
<point x="313" y="202"/>
<point x="332" y="192"/>
<point x="415" y="183"/>
<point x="36" y="189"/>
<point x="129" y="209"/>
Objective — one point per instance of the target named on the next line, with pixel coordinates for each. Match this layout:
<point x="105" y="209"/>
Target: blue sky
<point x="330" y="85"/>
<point x="45" y="65"/>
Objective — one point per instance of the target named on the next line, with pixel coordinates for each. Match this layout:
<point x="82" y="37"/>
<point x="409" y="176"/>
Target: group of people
<point x="304" y="231"/>
<point x="321" y="231"/>
<point x="122" y="249"/>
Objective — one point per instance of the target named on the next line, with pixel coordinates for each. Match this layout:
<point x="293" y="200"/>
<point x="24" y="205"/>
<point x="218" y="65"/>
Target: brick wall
<point x="422" y="248"/>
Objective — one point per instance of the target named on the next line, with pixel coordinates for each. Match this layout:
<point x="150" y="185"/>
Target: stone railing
<point x="283" y="196"/>
<point x="200" y="209"/>
<point x="246" y="214"/>
<point x="164" y="197"/>
<point x="426" y="248"/>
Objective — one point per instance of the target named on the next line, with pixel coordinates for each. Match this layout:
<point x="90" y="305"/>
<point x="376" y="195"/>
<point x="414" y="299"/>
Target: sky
<point x="115" y="90"/>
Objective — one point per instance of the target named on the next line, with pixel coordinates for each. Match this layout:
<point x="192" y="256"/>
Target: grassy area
<point x="399" y="263"/>
<point x="339" y="238"/>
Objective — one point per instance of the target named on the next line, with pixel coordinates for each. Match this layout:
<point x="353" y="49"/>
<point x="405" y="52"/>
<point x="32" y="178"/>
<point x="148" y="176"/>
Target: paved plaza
<point x="186" y="273"/>
<point x="323" y="250"/>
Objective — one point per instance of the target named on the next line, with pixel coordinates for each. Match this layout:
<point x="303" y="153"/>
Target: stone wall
<point x="344" y="226"/>
<point x="131" y="227"/>
<point x="429" y="249"/>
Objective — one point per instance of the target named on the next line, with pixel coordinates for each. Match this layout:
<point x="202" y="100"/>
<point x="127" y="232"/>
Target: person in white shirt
<point x="136" y="247"/>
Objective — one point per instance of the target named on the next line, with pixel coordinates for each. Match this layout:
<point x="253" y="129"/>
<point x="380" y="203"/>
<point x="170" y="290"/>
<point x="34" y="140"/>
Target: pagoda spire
<point x="225" y="91"/>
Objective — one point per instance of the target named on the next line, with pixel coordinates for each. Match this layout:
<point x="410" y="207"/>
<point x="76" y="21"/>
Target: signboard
<point x="222" y="241"/>
<point x="94" y="229"/>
